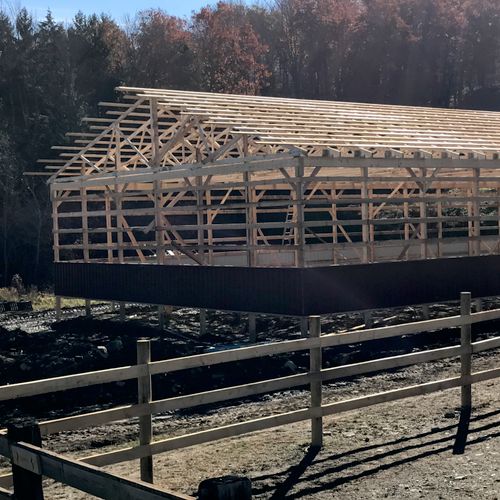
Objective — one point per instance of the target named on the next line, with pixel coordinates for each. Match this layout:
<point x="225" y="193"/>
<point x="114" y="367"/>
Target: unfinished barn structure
<point x="277" y="205"/>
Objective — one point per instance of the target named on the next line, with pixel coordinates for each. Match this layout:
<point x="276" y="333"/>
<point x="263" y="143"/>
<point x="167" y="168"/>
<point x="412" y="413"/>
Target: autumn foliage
<point x="419" y="52"/>
<point x="229" y="52"/>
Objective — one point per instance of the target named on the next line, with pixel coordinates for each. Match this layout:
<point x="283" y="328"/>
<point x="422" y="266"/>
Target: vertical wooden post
<point x="145" y="396"/>
<point x="466" y="354"/>
<point x="200" y="217"/>
<point x="251" y="221"/>
<point x="210" y="219"/>
<point x="85" y="221"/>
<point x="88" y="309"/>
<point x="365" y="228"/>
<point x="423" y="215"/>
<point x="304" y="326"/>
<point x="251" y="212"/>
<point x="55" y="222"/>
<point x="476" y="213"/>
<point x="109" y="225"/>
<point x="367" y="318"/>
<point x="58" y="308"/>
<point x="157" y="192"/>
<point x="316" y="384"/>
<point x="478" y="305"/>
<point x="161" y="317"/>
<point x="426" y="312"/>
<point x="372" y="254"/>
<point x="406" y="216"/>
<point x="27" y="485"/>
<point x="335" y="228"/>
<point x="440" y="224"/>
<point x="118" y="197"/>
<point x="300" y="237"/>
<point x="252" y="327"/>
<point x="122" y="311"/>
<point x="203" y="321"/>
<point x="164" y="314"/>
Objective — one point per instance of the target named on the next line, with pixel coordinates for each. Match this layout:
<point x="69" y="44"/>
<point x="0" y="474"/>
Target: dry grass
<point x="41" y="301"/>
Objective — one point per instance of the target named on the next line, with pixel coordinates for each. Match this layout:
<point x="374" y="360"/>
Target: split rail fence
<point x="314" y="378"/>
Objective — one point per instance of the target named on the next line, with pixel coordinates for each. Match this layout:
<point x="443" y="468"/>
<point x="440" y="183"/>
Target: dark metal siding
<point x="271" y="290"/>
<point x="284" y="290"/>
<point x="392" y="284"/>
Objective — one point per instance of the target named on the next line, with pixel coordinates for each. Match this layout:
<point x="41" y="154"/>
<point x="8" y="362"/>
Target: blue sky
<point x="65" y="10"/>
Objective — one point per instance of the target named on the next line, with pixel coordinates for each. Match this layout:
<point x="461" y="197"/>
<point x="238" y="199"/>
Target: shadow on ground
<point x="317" y="472"/>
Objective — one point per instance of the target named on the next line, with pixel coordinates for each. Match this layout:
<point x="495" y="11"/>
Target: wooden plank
<point x="6" y="495"/>
<point x="328" y="340"/>
<point x="484" y="375"/>
<point x="88" y="478"/>
<point x="240" y="354"/>
<point x="6" y="480"/>
<point x="395" y="394"/>
<point x="483" y="345"/>
<point x="55" y="384"/>
<point x="479" y="317"/>
<point x="389" y="363"/>
<point x="406" y="392"/>
<point x="332" y="340"/>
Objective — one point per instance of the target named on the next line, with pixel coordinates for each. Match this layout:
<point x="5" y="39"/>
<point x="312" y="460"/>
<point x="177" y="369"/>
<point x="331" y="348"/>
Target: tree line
<point x="442" y="53"/>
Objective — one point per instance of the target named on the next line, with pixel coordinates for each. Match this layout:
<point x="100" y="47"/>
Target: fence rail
<point x="314" y="378"/>
<point x="82" y="476"/>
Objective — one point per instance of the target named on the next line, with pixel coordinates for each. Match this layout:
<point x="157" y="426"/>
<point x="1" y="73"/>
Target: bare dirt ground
<point x="395" y="450"/>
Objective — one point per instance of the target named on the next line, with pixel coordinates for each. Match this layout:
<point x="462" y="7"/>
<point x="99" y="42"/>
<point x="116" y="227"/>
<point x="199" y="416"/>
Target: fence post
<point x="145" y="396"/>
<point x="368" y="319"/>
<point x="27" y="485"/>
<point x="316" y="384"/>
<point x="58" y="308"/>
<point x="122" y="310"/>
<point x="466" y="352"/>
<point x="88" y="308"/>
<point x="203" y="321"/>
<point x="252" y="327"/>
<point x="304" y="322"/>
<point x="426" y="312"/>
<point x="479" y="305"/>
<point x="161" y="317"/>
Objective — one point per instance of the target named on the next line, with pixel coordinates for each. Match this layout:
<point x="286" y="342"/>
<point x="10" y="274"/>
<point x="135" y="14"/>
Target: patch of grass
<point x="42" y="301"/>
<point x="8" y="294"/>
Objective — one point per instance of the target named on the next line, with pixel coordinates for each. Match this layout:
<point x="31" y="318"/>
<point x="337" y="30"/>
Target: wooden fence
<point x="314" y="378"/>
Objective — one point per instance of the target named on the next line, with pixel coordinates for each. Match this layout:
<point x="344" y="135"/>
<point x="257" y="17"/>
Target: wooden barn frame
<point x="186" y="178"/>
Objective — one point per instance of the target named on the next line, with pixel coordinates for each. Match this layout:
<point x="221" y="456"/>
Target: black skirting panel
<point x="288" y="291"/>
